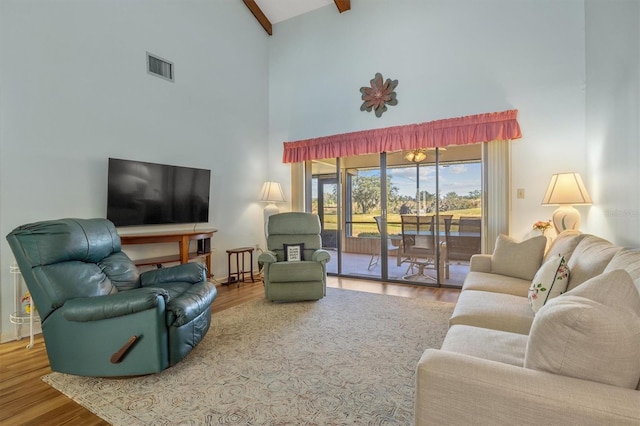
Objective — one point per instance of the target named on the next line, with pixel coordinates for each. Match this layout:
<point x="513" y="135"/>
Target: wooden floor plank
<point x="26" y="400"/>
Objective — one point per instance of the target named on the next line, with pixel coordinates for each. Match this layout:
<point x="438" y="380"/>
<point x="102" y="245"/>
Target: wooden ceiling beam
<point x="257" y="12"/>
<point x="343" y="5"/>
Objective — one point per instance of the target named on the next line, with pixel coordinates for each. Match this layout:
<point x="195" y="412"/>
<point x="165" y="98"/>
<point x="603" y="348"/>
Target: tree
<point x="365" y="193"/>
<point x="474" y="195"/>
<point x="428" y="201"/>
<point x="394" y="199"/>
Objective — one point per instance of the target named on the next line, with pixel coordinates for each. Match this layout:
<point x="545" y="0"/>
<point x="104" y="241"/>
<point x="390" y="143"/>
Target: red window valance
<point x="439" y="133"/>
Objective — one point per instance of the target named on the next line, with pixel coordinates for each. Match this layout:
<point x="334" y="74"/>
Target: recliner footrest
<point x="284" y="272"/>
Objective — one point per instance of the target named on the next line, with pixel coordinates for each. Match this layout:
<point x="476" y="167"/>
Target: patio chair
<point x="421" y="241"/>
<point x="392" y="245"/>
<point x="467" y="241"/>
<point x="469" y="224"/>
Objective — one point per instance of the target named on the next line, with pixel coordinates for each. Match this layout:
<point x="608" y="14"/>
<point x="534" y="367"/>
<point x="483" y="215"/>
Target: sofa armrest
<point x="480" y="263"/>
<point x="194" y="272"/>
<point x="489" y="393"/>
<point x="97" y="308"/>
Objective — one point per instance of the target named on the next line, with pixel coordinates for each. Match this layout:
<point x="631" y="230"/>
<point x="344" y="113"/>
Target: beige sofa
<point x="574" y="362"/>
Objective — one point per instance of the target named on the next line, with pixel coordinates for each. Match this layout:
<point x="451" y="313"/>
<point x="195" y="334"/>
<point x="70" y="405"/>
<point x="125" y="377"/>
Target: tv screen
<point x="140" y="193"/>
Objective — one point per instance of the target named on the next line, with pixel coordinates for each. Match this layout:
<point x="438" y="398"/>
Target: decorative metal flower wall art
<point x="379" y="95"/>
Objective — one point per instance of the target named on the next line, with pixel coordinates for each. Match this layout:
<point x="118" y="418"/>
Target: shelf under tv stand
<point x="181" y="237"/>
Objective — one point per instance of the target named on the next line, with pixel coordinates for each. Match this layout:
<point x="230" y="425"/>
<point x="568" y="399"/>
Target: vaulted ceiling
<point x="269" y="12"/>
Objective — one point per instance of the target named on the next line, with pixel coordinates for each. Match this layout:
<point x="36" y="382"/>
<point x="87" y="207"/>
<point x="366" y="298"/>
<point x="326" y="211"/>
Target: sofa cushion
<point x="629" y="260"/>
<point x="590" y="257"/>
<point x="496" y="311"/>
<point x="494" y="345"/>
<point x="564" y="244"/>
<point x="495" y="283"/>
<point x="590" y="333"/>
<point x="518" y="259"/>
<point x="550" y="281"/>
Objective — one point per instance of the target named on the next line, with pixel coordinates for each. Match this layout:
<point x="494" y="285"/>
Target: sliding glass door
<point x="327" y="209"/>
<point x="325" y="202"/>
<point x="363" y="180"/>
<point x="387" y="217"/>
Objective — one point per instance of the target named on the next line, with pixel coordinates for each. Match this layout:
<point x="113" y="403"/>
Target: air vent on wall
<point x="159" y="67"/>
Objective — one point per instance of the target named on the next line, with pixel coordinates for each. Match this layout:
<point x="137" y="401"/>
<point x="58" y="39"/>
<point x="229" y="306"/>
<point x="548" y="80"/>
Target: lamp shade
<point x="566" y="189"/>
<point x="272" y="193"/>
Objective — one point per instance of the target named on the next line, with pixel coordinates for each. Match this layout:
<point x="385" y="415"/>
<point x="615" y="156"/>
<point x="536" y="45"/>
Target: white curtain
<point x="497" y="188"/>
<point x="298" y="189"/>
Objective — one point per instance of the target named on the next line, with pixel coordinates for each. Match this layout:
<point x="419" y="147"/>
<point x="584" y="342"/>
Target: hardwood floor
<point x="27" y="400"/>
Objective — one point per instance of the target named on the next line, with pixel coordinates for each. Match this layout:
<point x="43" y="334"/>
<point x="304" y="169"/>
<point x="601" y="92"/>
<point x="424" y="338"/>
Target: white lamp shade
<point x="272" y="193"/>
<point x="566" y="189"/>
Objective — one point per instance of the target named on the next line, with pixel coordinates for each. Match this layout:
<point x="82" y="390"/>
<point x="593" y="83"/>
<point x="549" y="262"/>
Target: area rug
<point x="348" y="359"/>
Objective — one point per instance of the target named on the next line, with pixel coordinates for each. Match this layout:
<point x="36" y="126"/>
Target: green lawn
<point x="365" y="223"/>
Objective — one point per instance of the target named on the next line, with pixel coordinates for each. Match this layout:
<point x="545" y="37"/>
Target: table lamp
<point x="271" y="193"/>
<point x="565" y="190"/>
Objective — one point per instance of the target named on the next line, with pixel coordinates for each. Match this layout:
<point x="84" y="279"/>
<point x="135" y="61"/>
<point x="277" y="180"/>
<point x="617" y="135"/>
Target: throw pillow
<point x="518" y="259"/>
<point x="550" y="281"/>
<point x="615" y="288"/>
<point x="629" y="260"/>
<point x="294" y="252"/>
<point x="597" y="340"/>
<point x="564" y="244"/>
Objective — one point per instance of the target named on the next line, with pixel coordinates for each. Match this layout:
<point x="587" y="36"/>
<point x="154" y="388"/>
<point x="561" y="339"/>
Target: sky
<point x="459" y="178"/>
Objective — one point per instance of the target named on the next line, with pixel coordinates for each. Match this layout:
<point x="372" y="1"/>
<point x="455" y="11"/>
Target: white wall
<point x="74" y="91"/>
<point x="613" y="118"/>
<point x="452" y="58"/>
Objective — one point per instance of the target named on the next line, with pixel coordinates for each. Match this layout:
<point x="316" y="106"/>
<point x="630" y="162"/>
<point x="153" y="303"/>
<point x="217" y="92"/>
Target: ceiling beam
<point x="343" y="5"/>
<point x="257" y="12"/>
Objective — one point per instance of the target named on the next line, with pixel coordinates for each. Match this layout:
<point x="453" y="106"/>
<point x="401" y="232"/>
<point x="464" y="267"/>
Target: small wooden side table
<point x="239" y="275"/>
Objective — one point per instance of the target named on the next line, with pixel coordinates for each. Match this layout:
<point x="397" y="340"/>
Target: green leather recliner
<point x="99" y="315"/>
<point x="288" y="280"/>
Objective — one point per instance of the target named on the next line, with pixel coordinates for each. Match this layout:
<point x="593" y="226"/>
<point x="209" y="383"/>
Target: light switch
<point x="520" y="193"/>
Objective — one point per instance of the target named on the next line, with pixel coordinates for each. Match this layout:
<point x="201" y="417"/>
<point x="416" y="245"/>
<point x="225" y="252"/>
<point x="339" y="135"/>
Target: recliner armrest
<point x="186" y="272"/>
<point x="267" y="257"/>
<point x="321" y="256"/>
<point x="97" y="308"/>
<point x="188" y="305"/>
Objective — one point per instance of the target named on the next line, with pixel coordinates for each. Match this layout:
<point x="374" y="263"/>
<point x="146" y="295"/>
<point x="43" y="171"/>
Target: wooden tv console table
<point x="180" y="237"/>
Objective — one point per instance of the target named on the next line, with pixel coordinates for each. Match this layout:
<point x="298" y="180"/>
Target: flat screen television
<point x="141" y="193"/>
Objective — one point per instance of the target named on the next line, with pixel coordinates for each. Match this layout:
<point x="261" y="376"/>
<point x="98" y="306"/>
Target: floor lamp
<point x="565" y="190"/>
<point x="271" y="193"/>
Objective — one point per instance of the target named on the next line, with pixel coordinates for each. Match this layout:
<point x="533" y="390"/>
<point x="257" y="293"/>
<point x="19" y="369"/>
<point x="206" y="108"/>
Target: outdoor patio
<point x="358" y="265"/>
